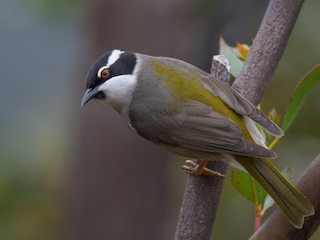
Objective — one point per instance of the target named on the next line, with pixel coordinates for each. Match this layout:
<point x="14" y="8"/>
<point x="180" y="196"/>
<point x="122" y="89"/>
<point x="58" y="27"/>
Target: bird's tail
<point x="291" y="201"/>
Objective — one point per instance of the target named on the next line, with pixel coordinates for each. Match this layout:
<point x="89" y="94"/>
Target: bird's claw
<point x="195" y="169"/>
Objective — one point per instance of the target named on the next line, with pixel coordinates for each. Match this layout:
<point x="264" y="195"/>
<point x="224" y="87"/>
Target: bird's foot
<point x="195" y="169"/>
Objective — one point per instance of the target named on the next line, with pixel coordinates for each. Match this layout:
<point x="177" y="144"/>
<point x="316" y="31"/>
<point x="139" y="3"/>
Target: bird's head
<point x="111" y="79"/>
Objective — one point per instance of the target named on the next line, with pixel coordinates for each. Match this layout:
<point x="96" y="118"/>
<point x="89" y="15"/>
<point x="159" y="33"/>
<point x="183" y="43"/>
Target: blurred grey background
<point x="71" y="173"/>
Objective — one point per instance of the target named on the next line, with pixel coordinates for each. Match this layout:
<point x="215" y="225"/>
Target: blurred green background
<point x="71" y="173"/>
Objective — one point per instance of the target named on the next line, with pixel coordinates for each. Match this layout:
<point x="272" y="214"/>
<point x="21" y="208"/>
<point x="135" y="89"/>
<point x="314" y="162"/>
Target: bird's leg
<point x="193" y="168"/>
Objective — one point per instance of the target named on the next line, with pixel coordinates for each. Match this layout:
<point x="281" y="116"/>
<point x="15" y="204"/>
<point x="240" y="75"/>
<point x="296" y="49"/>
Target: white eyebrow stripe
<point x="115" y="55"/>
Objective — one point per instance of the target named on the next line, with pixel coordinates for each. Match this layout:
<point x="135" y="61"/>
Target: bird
<point x="191" y="113"/>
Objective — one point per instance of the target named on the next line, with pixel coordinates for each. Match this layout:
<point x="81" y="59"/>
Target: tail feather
<point x="290" y="200"/>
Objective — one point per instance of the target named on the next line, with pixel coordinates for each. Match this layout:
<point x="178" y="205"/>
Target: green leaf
<point x="248" y="187"/>
<point x="269" y="202"/>
<point x="233" y="55"/>
<point x="300" y="94"/>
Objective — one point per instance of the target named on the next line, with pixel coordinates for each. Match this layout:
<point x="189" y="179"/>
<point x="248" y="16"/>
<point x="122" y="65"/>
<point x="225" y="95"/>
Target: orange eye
<point x="105" y="73"/>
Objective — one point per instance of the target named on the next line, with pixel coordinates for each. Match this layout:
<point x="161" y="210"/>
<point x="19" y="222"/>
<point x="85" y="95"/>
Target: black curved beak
<point x="88" y="95"/>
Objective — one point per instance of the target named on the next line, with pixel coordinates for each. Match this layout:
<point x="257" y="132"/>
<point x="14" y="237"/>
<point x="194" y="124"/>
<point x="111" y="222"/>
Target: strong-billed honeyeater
<point x="188" y="112"/>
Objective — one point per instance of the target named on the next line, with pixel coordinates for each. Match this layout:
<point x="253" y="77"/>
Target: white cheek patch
<point x="115" y="55"/>
<point x="119" y="89"/>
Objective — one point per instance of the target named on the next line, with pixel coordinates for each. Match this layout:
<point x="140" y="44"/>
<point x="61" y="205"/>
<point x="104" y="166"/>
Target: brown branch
<point x="267" y="49"/>
<point x="200" y="205"/>
<point x="278" y="227"/>
<point x="202" y="193"/>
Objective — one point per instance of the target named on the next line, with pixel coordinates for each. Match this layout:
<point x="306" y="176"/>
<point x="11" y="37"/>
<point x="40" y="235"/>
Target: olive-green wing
<point x="200" y="128"/>
<point x="240" y="105"/>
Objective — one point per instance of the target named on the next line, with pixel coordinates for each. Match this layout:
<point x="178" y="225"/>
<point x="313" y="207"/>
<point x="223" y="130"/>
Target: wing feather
<point x="203" y="129"/>
<point x="242" y="106"/>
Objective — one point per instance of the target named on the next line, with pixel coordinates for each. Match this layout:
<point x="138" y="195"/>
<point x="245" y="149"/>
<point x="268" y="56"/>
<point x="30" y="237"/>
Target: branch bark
<point x="267" y="48"/>
<point x="202" y="193"/>
<point x="200" y="205"/>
